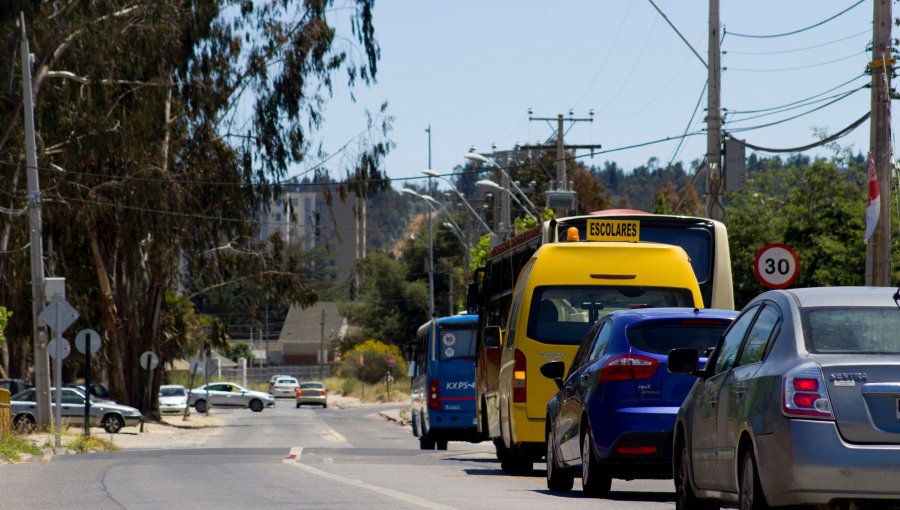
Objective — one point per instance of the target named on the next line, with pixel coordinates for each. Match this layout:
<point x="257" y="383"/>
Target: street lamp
<point x="430" y="254"/>
<point x="432" y="173"/>
<point x="485" y="183"/>
<point x="474" y="156"/>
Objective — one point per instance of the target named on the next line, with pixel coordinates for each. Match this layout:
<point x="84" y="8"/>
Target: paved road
<point x="302" y="458"/>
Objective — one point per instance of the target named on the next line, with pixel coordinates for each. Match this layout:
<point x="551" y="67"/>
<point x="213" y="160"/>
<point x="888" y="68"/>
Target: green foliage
<point x="88" y="444"/>
<point x="13" y="446"/>
<point x="374" y="367"/>
<point x="237" y="350"/>
<point x="814" y="207"/>
<point x="480" y="252"/>
<point x="4" y="320"/>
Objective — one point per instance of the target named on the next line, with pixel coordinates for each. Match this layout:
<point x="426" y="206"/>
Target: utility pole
<point x="559" y="197"/>
<point x="430" y="237"/>
<point x="878" y="249"/>
<point x="714" y="119"/>
<point x="35" y="228"/>
<point x="323" y="359"/>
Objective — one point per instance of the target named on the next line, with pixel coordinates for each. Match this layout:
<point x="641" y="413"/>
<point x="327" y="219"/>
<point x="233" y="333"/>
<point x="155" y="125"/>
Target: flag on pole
<point x="873" y="206"/>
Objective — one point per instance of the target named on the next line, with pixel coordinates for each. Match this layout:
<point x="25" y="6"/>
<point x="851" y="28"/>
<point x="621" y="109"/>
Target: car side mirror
<point x="683" y="361"/>
<point x="493" y="337"/>
<point x="554" y="370"/>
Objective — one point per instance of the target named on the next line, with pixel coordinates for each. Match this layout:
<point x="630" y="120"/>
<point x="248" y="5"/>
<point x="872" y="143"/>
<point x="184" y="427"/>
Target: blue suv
<point x="614" y="413"/>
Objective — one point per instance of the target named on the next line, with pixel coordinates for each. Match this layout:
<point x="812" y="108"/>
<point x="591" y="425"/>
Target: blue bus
<point x="443" y="382"/>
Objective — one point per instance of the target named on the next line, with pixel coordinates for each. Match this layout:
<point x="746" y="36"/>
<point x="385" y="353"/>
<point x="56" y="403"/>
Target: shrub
<point x="374" y="368"/>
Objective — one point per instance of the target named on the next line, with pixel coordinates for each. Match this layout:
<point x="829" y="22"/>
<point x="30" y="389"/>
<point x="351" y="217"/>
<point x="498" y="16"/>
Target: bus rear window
<point x="564" y="314"/>
<point x="456" y="343"/>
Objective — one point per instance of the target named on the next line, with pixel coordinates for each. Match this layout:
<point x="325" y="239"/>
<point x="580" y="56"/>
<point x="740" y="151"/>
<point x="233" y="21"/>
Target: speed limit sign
<point x="776" y="266"/>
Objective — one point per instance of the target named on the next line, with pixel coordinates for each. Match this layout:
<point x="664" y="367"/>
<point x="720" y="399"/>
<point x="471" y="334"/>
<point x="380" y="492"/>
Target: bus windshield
<point x="564" y="314"/>
<point x="456" y="342"/>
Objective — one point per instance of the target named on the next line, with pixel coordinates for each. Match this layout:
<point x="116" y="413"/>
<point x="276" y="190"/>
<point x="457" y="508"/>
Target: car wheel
<point x="594" y="481"/>
<point x="426" y="442"/>
<point x="325" y="406"/>
<point x="112" y="423"/>
<point x="298" y="406"/>
<point x="685" y="499"/>
<point x="441" y="445"/>
<point x="557" y="479"/>
<point x="751" y="496"/>
<point x="201" y="406"/>
<point x="24" y="424"/>
<point x="256" y="405"/>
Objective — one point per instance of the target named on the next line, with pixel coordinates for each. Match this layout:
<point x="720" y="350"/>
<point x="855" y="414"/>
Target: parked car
<point x="799" y="404"/>
<point x="112" y="417"/>
<point x="275" y="378"/>
<point x="614" y="413"/>
<point x="228" y="394"/>
<point x="99" y="392"/>
<point x="285" y="387"/>
<point x="312" y="393"/>
<point x="172" y="398"/>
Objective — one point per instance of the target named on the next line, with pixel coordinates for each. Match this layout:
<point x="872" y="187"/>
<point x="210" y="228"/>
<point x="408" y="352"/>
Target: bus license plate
<point x="614" y="230"/>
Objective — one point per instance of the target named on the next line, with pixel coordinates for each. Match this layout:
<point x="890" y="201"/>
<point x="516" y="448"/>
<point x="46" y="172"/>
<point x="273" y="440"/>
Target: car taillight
<point x="323" y="393"/>
<point x="804" y="394"/>
<point x="434" y="396"/>
<point x="628" y="367"/>
<point x="519" y="385"/>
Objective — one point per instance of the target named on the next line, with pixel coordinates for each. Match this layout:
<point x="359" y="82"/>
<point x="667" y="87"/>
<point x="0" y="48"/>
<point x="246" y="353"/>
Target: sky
<point x="471" y="69"/>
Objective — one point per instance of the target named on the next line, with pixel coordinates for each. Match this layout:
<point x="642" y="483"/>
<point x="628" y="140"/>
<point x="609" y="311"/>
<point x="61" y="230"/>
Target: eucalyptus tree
<point x="163" y="126"/>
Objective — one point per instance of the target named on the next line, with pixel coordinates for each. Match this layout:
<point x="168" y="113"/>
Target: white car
<point x="229" y="394"/>
<point x="172" y="398"/>
<point x="285" y="387"/>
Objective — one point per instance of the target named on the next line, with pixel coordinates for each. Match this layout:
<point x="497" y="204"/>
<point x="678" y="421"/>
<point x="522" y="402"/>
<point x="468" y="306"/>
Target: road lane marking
<point x="335" y="436"/>
<point x="294" y="456"/>
<point x="384" y="491"/>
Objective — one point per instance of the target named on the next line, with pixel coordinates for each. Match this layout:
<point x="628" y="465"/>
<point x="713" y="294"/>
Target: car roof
<point x="812" y="297"/>
<point x="171" y="386"/>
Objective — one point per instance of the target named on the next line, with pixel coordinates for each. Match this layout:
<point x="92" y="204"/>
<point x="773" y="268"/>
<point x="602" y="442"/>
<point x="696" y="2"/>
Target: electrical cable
<point x="808" y="103"/>
<point x="688" y="126"/>
<point x="608" y="53"/>
<point x="781" y="121"/>
<point x="760" y="110"/>
<point x="799" y="30"/>
<point x="797" y="68"/>
<point x="847" y="130"/>
<point x="797" y="50"/>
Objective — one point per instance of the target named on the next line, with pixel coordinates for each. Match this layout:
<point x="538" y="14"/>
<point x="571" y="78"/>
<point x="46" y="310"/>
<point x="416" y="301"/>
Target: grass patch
<point x="352" y="387"/>
<point x="12" y="447"/>
<point x="87" y="444"/>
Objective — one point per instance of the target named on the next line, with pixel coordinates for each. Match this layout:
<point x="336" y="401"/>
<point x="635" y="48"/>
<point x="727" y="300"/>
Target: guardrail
<point x="5" y="414"/>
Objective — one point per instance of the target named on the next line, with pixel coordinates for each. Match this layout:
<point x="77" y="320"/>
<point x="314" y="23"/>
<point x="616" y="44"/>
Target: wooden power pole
<point x="714" y="179"/>
<point x="878" y="249"/>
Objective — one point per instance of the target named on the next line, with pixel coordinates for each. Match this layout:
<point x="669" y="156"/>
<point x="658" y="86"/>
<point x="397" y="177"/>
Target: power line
<point x="608" y="53"/>
<point x="823" y="141"/>
<point x="804" y="29"/>
<point x="794" y="107"/>
<point x="683" y="39"/>
<point x="749" y="128"/>
<point x="796" y="68"/>
<point x="797" y="50"/>
<point x="688" y="126"/>
<point x="760" y="110"/>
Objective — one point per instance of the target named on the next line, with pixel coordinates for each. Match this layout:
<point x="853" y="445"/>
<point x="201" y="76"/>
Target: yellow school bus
<point x="561" y="291"/>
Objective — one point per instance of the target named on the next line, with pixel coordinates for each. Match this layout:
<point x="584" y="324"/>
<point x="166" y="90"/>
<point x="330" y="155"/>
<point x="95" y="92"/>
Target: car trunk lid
<point x="865" y="397"/>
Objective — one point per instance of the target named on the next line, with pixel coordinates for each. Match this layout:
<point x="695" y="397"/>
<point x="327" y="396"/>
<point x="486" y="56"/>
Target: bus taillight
<point x="434" y="396"/>
<point x="519" y="385"/>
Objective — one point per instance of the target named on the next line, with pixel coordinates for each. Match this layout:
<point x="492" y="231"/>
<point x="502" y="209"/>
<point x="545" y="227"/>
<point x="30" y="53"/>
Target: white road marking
<point x="391" y="493"/>
<point x="335" y="436"/>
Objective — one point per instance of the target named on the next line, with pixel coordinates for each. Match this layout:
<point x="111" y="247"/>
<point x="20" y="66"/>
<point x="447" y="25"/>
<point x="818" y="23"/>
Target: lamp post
<point x="474" y="156"/>
<point x="430" y="254"/>
<point x="432" y="173"/>
<point x="484" y="183"/>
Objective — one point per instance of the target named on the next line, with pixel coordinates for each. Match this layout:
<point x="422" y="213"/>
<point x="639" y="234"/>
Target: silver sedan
<point x="107" y="414"/>
<point x="798" y="405"/>
<point x="228" y="394"/>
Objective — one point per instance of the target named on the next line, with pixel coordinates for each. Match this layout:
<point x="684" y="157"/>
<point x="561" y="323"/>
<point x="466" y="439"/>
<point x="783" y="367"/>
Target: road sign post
<point x="59" y="315"/>
<point x="149" y="361"/>
<point x="87" y="341"/>
<point x="776" y="266"/>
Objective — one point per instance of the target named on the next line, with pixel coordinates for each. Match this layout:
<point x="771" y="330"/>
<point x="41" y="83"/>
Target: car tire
<point x="685" y="498"/>
<point x="751" y="495"/>
<point x="256" y="405"/>
<point x="24" y="424"/>
<point x="324" y="406"/>
<point x="201" y="406"/>
<point x="112" y="423"/>
<point x="298" y="406"/>
<point x="595" y="482"/>
<point x="557" y="479"/>
<point x="426" y="442"/>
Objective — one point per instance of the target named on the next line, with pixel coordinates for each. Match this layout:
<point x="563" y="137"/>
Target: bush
<point x="374" y="367"/>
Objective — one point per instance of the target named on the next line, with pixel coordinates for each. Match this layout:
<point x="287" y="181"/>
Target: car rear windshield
<point x="287" y="381"/>
<point x="456" y="342"/>
<point x="690" y="334"/>
<point x="564" y="314"/>
<point x="172" y="392"/>
<point x="311" y="385"/>
<point x="846" y="330"/>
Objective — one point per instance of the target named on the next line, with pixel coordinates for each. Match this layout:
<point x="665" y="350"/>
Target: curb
<point x="396" y="419"/>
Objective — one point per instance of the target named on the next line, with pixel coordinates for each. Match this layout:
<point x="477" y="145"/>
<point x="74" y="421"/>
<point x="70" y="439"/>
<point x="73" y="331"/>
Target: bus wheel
<point x="426" y="442"/>
<point x="442" y="444"/>
<point x="517" y="462"/>
<point x="500" y="448"/>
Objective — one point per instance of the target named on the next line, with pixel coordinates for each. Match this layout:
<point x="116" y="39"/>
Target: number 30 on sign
<point x="776" y="266"/>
